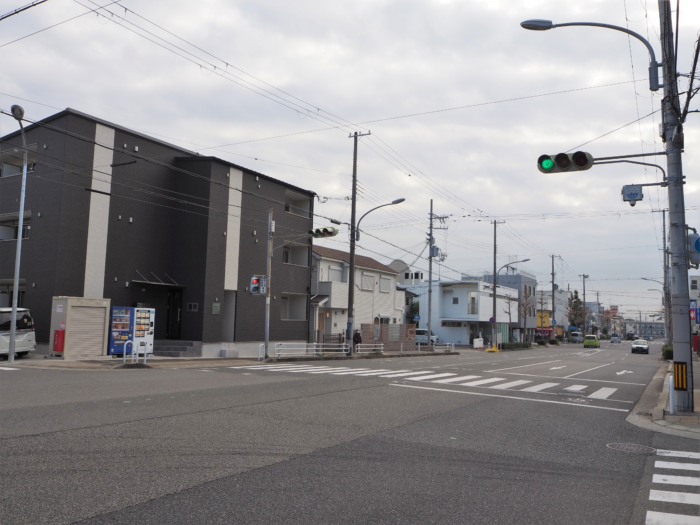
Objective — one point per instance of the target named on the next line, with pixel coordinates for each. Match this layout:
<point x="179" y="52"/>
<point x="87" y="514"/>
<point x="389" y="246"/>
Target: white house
<point x="376" y="295"/>
<point x="461" y="310"/>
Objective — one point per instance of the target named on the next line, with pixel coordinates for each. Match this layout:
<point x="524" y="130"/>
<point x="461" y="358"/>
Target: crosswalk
<point x="680" y="476"/>
<point x="430" y="376"/>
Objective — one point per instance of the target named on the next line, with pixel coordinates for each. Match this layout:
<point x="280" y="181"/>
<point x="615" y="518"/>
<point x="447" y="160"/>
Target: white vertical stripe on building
<point x="99" y="213"/>
<point x="233" y="229"/>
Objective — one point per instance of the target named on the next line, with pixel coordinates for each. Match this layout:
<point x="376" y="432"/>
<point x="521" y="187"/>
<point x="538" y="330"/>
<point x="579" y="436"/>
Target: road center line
<point x="589" y="370"/>
<point x="523" y="366"/>
<point x="509" y="397"/>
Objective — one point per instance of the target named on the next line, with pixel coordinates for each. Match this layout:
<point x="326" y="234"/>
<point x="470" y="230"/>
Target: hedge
<point x="542" y="342"/>
<point x="668" y="352"/>
<point x="553" y="342"/>
<point x="515" y="346"/>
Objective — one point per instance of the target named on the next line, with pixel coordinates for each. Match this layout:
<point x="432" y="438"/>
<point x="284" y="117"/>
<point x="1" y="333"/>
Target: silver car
<point x="640" y="346"/>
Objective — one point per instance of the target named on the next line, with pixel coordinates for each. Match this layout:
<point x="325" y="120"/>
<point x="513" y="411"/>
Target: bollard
<point x="670" y="390"/>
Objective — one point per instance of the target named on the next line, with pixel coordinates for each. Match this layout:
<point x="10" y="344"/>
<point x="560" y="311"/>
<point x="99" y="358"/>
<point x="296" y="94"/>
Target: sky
<point x="460" y="102"/>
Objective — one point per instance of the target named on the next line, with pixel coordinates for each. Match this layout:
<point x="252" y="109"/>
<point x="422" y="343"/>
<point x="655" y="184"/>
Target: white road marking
<point x="434" y="376"/>
<point x="456" y="379"/>
<point x="380" y="372"/>
<point x="576" y="388"/>
<point x="523" y="366"/>
<point x="330" y="370"/>
<point x="664" y="518"/>
<point x="580" y="379"/>
<point x="693" y="481"/>
<point x="512" y="384"/>
<point x="466" y="392"/>
<point x="624" y="372"/>
<point x="603" y="393"/>
<point x="677" y="466"/>
<point x="7" y="368"/>
<point x="313" y="368"/>
<point x="677" y="454"/>
<point x="557" y="367"/>
<point x="589" y="370"/>
<point x="483" y="381"/>
<point x="354" y="371"/>
<point x="406" y="374"/>
<point x="537" y="388"/>
<point x="674" y="497"/>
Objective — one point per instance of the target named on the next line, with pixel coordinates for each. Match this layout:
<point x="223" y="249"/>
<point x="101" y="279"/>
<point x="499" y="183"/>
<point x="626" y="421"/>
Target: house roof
<point x="360" y="260"/>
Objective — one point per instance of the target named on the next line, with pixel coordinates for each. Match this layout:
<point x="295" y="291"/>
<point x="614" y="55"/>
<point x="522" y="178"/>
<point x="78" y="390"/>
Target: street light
<point x="663" y="296"/>
<point x="545" y="25"/>
<point x="18" y="114"/>
<point x="357" y="228"/>
<point x="355" y="236"/>
<point x="665" y="304"/>
<point x="494" y="344"/>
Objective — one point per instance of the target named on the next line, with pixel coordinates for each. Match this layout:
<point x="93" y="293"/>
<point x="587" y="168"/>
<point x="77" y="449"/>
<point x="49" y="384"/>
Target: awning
<point x="319" y="300"/>
<point x="166" y="285"/>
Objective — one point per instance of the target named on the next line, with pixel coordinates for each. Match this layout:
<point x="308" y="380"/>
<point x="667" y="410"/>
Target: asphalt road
<point x="518" y="437"/>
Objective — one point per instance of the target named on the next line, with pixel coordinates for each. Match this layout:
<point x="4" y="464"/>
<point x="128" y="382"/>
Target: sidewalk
<point x="686" y="421"/>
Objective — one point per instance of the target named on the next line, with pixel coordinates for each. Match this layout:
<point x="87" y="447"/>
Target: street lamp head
<point x="17" y="112"/>
<point x="524" y="260"/>
<point x="398" y="201"/>
<point x="537" y="25"/>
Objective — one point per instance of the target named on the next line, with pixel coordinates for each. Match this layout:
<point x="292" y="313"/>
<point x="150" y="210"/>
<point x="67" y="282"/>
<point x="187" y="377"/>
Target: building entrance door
<point x="321" y="322"/>
<point x="174" y="321"/>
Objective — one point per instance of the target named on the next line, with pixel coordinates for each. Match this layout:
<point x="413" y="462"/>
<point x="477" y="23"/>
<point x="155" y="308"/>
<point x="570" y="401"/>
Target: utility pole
<point x="585" y="313"/>
<point x="597" y="309"/>
<point x="554" y="326"/>
<point x="268" y="278"/>
<point x="680" y="295"/>
<point x="432" y="252"/>
<point x="494" y="339"/>
<point x="353" y="234"/>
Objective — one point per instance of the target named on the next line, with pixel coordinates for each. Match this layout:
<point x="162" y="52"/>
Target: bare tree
<point x="524" y="306"/>
<point x="511" y="304"/>
<point x="542" y="301"/>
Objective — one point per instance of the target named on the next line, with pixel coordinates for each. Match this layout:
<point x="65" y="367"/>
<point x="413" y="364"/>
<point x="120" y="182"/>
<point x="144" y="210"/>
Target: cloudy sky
<point x="459" y="99"/>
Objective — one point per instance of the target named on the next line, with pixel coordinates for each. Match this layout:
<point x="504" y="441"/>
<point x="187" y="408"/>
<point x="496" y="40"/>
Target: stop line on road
<point x="430" y="376"/>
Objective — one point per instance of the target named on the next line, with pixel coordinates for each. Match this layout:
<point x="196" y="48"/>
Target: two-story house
<point x="526" y="284"/>
<point x="461" y="310"/>
<point x="376" y="293"/>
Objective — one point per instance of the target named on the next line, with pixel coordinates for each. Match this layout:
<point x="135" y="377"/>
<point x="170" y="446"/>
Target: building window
<point x="285" y="256"/>
<point x="293" y="307"/>
<point x="394" y="320"/>
<point x="407" y="275"/>
<point x="297" y="204"/>
<point x="367" y="281"/>
<point x="296" y="254"/>
<point x="384" y="284"/>
<point x="192" y="307"/>
<point x="335" y="274"/>
<point x="9" y="228"/>
<point x="455" y="300"/>
<point x="694" y="284"/>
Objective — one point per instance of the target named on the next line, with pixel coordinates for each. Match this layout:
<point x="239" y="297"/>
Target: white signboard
<point x="632" y="193"/>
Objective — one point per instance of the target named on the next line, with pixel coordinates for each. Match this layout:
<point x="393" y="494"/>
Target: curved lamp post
<point x="18" y="114"/>
<point x="545" y="25"/>
<point x="494" y="343"/>
<point x="354" y="236"/>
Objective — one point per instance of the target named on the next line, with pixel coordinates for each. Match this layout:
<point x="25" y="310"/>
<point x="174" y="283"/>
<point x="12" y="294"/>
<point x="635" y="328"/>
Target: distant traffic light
<point x="323" y="232"/>
<point x="255" y="284"/>
<point x="578" y="161"/>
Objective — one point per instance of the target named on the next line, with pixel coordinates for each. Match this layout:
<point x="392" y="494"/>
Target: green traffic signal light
<point x="577" y="161"/>
<point x="545" y="163"/>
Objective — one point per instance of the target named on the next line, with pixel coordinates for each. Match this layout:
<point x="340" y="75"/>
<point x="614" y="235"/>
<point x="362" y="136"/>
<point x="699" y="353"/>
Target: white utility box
<point x="79" y="327"/>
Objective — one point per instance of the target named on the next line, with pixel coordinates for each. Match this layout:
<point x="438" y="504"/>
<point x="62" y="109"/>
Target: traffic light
<point x="255" y="284"/>
<point x="578" y="161"/>
<point x="323" y="232"/>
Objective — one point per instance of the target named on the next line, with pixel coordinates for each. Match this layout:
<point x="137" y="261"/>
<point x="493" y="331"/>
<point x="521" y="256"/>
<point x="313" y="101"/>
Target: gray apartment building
<point x="526" y="284"/>
<point x="114" y="213"/>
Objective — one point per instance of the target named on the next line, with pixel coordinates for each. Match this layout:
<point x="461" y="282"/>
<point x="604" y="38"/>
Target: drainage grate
<point x="632" y="448"/>
<point x="648" y="414"/>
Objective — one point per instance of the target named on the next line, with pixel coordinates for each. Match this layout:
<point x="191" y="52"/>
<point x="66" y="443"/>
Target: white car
<point x="25" y="340"/>
<point x="576" y="337"/>
<point x="614" y="338"/>
<point x="422" y="337"/>
<point x="640" y="346"/>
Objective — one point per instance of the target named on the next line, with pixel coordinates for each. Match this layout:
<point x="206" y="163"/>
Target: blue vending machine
<point x="131" y="324"/>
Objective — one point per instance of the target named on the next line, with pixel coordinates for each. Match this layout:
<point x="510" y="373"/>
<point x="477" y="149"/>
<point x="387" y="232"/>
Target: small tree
<point x="542" y="301"/>
<point x="511" y="304"/>
<point x="575" y="310"/>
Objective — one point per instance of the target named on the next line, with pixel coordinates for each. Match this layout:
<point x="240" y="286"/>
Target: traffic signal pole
<point x="680" y="295"/>
<point x="268" y="279"/>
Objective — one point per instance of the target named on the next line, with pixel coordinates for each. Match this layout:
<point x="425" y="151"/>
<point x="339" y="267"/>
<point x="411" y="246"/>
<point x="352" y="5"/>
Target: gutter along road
<point x="518" y="437"/>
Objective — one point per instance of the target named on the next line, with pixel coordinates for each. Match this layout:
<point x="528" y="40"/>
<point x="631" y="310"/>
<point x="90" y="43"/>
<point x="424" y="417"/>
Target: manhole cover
<point x="632" y="448"/>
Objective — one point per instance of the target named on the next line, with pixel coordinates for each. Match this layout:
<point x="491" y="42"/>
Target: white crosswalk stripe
<point x="406" y="374"/>
<point x="670" y="498"/>
<point x="433" y="376"/>
<point x="538" y="388"/>
<point x="603" y="393"/>
<point x="483" y="381"/>
<point x="455" y="379"/>
<point x="378" y="372"/>
<point x="512" y="384"/>
<point x="576" y="388"/>
<point x="7" y="368"/>
<point x="353" y="371"/>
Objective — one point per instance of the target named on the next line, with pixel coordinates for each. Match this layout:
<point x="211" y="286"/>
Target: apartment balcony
<point x="337" y="293"/>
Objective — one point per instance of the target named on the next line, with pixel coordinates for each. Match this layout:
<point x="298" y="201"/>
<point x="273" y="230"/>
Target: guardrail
<point x="310" y="349"/>
<point x="444" y="348"/>
<point x="261" y="351"/>
<point x="369" y="348"/>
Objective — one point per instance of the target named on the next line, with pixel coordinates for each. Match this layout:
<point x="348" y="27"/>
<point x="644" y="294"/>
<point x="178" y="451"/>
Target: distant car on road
<point x="640" y="346"/>
<point x="614" y="338"/>
<point x="25" y="340"/>
<point x="576" y="337"/>
<point x="631" y="336"/>
<point x="591" y="341"/>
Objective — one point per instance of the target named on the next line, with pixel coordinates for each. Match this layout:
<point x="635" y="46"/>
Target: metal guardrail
<point x="261" y="351"/>
<point x="369" y="348"/>
<point x="444" y="348"/>
<point x="310" y="349"/>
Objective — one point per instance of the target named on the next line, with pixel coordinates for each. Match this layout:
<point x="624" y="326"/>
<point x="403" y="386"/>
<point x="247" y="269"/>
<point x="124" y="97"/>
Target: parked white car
<point x="25" y="340"/>
<point x="422" y="337"/>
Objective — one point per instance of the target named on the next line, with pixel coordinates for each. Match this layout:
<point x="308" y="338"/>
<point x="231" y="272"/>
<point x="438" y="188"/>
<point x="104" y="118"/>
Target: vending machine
<point x="131" y="324"/>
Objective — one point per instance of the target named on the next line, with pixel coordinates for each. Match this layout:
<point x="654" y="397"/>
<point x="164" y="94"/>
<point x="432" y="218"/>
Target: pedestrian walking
<point x="357" y="338"/>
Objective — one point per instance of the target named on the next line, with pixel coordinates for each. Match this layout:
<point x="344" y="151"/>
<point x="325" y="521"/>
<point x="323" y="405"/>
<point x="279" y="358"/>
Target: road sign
<point x="692" y="315"/>
<point x="416" y="317"/>
<point x="492" y="320"/>
<point x="554" y="322"/>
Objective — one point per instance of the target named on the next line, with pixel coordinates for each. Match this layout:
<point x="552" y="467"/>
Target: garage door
<point x="87" y="332"/>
